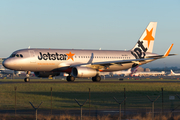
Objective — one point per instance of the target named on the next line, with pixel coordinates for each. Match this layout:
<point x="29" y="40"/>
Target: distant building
<point x="147" y="70"/>
<point x="140" y="69"/>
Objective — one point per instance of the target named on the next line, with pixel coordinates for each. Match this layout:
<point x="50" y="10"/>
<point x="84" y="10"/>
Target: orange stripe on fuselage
<point x="46" y="63"/>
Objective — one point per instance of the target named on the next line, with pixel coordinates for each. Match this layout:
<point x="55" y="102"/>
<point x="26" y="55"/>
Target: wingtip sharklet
<point x="168" y="51"/>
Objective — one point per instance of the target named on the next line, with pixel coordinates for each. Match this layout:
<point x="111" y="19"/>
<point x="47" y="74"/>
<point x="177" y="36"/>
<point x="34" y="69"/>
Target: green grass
<point x="101" y="94"/>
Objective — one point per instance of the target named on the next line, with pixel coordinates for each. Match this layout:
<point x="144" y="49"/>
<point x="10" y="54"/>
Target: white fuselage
<point x="61" y="59"/>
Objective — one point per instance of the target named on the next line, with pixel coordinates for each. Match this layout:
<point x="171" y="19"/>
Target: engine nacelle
<point x="46" y="74"/>
<point x="83" y="72"/>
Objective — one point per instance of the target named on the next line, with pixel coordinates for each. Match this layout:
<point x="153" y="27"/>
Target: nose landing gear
<point x="27" y="79"/>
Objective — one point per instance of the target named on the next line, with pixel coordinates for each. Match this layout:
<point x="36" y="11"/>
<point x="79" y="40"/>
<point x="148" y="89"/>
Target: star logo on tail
<point x="70" y="56"/>
<point x="149" y="36"/>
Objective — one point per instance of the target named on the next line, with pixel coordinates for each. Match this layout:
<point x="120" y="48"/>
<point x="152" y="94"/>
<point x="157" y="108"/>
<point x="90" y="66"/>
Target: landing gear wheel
<point x="96" y="79"/>
<point x="26" y="79"/>
<point x="70" y="78"/>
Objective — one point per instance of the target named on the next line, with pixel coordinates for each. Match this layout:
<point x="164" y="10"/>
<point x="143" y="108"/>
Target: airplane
<point x="84" y="63"/>
<point x="1" y="60"/>
<point x="8" y="72"/>
<point x="122" y="73"/>
<point x="119" y="73"/>
<point x="153" y="73"/>
<point x="173" y="74"/>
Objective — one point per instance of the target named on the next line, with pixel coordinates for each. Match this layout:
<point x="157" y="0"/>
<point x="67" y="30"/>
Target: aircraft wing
<point x="159" y="56"/>
<point x="121" y="61"/>
<point x="137" y="61"/>
<point x="114" y="62"/>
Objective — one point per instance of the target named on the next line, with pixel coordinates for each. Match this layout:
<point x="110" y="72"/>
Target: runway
<point x="163" y="79"/>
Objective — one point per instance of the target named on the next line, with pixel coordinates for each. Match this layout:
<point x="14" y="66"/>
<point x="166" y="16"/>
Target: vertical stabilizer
<point x="146" y="41"/>
<point x="134" y="70"/>
<point x="129" y="70"/>
<point x="172" y="72"/>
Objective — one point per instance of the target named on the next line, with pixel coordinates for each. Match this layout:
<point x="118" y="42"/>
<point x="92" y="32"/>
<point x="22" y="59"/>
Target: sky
<point x="94" y="24"/>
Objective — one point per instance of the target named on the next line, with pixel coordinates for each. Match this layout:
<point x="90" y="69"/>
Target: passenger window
<point x="21" y="55"/>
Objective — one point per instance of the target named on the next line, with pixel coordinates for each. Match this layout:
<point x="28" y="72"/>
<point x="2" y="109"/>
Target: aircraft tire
<point x="26" y="79"/>
<point x="70" y="78"/>
<point x="96" y="79"/>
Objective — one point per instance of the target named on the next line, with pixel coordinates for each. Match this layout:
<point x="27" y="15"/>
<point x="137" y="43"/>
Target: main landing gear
<point x="70" y="78"/>
<point x="97" y="78"/>
<point x="27" y="79"/>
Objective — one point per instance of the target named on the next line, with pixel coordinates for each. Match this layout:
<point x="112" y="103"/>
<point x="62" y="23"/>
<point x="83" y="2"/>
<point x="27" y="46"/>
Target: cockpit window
<point x="13" y="55"/>
<point x="21" y="55"/>
<point x="16" y="55"/>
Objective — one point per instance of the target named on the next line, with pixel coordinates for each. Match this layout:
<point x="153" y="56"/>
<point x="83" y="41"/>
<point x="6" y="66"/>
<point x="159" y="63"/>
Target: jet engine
<point x="83" y="72"/>
<point x="46" y="74"/>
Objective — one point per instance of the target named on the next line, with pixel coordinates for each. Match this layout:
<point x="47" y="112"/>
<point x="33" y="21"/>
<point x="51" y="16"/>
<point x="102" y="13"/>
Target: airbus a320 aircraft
<point x="173" y="74"/>
<point x="84" y="63"/>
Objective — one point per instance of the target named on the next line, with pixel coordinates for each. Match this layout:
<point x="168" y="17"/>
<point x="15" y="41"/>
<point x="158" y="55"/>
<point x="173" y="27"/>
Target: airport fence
<point x="90" y="103"/>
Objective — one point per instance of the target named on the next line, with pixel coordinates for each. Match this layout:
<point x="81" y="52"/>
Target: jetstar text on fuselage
<point x="48" y="56"/>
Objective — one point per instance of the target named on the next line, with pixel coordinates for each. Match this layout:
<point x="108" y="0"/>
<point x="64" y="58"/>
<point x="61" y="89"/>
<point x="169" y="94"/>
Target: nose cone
<point x="7" y="64"/>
